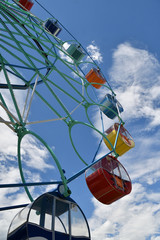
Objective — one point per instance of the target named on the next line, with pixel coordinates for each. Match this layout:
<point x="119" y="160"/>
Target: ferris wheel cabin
<point x="52" y="26"/>
<point x="76" y="52"/>
<point x="124" y="142"/>
<point x="94" y="76"/>
<point x="50" y="217"/>
<point x="26" y="4"/>
<point x="110" y="106"/>
<point x="108" y="180"/>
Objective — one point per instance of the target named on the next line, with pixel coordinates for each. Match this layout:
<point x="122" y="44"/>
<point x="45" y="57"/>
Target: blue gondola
<point x="76" y="52"/>
<point x="110" y="106"/>
<point x="50" y="217"/>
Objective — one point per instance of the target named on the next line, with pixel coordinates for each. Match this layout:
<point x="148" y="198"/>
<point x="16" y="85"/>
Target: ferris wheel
<point x="60" y="81"/>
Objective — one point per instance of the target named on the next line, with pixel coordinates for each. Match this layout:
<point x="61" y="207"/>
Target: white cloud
<point x="133" y="217"/>
<point x="8" y="142"/>
<point x="133" y="65"/>
<point x="135" y="75"/>
<point x="35" y="154"/>
<point x="64" y="55"/>
<point x="94" y="52"/>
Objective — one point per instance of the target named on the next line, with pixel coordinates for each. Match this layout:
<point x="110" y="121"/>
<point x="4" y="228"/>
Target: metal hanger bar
<point x="13" y="207"/>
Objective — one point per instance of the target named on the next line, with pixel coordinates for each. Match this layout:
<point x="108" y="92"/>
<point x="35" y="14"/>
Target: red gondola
<point x="108" y="180"/>
<point x="25" y="4"/>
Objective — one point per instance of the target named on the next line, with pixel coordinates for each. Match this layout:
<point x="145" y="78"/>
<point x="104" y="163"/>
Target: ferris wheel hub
<point x="63" y="191"/>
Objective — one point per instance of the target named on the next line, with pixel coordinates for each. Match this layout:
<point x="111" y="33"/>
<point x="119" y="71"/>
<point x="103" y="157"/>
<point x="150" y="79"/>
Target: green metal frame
<point x="22" y="32"/>
<point x="21" y="132"/>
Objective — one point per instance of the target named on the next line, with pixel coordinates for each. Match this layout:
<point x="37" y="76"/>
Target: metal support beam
<point x="13" y="207"/>
<point x="84" y="169"/>
<point x="28" y="184"/>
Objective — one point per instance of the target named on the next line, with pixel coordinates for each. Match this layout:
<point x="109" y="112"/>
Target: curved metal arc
<point x="90" y="84"/>
<point x="71" y="124"/>
<point x="100" y="105"/>
<point x="21" y="133"/>
<point x="21" y="171"/>
<point x="120" y="123"/>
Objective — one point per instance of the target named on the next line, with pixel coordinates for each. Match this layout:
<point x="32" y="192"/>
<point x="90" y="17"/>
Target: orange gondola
<point x="95" y="76"/>
<point x="108" y="180"/>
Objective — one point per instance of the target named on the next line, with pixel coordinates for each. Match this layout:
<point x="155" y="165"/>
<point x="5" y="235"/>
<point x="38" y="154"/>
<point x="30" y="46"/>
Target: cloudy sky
<point x="123" y="38"/>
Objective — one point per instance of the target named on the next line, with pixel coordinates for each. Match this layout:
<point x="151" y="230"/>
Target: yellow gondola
<point x="124" y="142"/>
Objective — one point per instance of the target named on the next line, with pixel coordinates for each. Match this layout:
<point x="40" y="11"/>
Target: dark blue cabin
<point x="52" y="26"/>
<point x="50" y="217"/>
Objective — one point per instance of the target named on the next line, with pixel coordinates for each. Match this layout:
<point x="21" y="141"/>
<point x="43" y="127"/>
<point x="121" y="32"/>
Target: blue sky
<point x="123" y="36"/>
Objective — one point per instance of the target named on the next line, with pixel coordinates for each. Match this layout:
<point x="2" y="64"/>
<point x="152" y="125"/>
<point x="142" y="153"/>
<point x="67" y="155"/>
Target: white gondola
<point x="50" y="217"/>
